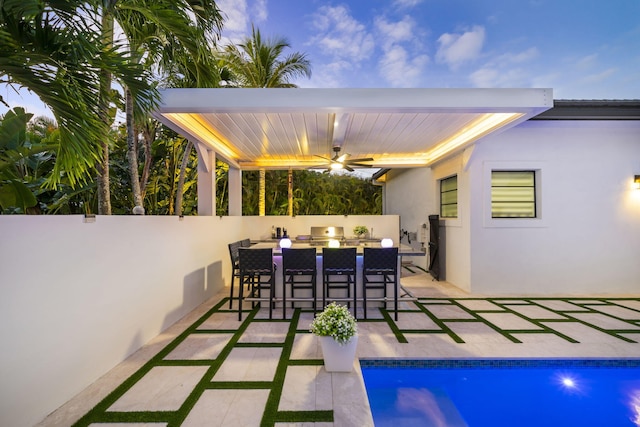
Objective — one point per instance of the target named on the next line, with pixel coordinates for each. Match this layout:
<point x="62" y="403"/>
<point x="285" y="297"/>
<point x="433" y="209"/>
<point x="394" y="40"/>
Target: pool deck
<point x="209" y="369"/>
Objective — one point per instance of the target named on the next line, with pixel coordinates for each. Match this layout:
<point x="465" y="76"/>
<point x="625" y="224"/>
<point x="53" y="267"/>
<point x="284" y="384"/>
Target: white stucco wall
<point x="588" y="237"/>
<point x="457" y="249"/>
<point x="409" y="194"/>
<point x="77" y="298"/>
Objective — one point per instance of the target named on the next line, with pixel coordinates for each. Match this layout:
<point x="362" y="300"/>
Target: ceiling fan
<point x="342" y="161"/>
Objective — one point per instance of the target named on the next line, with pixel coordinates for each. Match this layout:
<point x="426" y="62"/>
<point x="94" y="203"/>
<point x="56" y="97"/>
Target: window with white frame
<point x="449" y="197"/>
<point x="513" y="194"/>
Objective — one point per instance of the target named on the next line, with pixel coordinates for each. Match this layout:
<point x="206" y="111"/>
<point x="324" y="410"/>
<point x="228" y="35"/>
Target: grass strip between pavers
<point x="440" y="323"/>
<point x="205" y="381"/>
<point x="392" y="325"/>
<point x="271" y="414"/>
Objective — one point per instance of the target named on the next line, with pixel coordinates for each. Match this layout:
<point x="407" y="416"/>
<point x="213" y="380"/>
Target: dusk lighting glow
<point x="285" y="243"/>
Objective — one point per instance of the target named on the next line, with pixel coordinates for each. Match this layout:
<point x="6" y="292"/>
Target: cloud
<point x="600" y="77"/>
<point x="261" y="12"/>
<point x="239" y="17"/>
<point x="406" y="3"/>
<point x="506" y="70"/>
<point x="587" y="61"/>
<point x="340" y="36"/>
<point x="403" y="61"/>
<point x="401" y="70"/>
<point x="395" y="32"/>
<point x="457" y="49"/>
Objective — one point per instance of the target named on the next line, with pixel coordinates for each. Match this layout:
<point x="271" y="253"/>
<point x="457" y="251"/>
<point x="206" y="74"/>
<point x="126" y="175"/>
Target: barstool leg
<point x="364" y="294"/>
<point x="233" y="276"/>
<point x="240" y="298"/>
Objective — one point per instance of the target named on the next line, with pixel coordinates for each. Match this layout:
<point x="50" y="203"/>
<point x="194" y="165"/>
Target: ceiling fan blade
<point x="323" y="158"/>
<point x="342" y="158"/>
<point x="347" y="167"/>
<point x="359" y="165"/>
<point x="368" y="159"/>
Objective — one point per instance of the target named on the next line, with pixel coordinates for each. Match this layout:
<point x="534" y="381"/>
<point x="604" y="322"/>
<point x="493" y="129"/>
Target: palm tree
<point x="46" y="49"/>
<point x="171" y="36"/>
<point x="256" y="62"/>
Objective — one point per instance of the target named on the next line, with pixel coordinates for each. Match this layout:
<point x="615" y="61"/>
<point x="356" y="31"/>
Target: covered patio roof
<point x="290" y="128"/>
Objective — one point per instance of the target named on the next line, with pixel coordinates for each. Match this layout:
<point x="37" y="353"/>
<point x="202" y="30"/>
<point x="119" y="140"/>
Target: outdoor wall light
<point x="636" y="182"/>
<point x="386" y="243"/>
<point x="285" y="243"/>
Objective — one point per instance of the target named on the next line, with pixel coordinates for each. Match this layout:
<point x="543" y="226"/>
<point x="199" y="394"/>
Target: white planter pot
<point x="338" y="358"/>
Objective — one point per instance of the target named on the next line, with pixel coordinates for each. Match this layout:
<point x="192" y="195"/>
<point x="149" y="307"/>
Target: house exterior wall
<point x="409" y="194"/>
<point x="77" y="298"/>
<point x="587" y="239"/>
<point x="455" y="232"/>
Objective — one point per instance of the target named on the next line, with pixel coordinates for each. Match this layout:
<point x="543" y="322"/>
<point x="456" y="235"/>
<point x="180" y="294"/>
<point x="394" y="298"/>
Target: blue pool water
<point x="498" y="393"/>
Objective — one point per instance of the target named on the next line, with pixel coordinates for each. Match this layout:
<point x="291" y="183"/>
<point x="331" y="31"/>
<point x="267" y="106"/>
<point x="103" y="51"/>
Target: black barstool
<point x="235" y="268"/>
<point x="257" y="271"/>
<point x="379" y="269"/>
<point x="339" y="272"/>
<point x="299" y="272"/>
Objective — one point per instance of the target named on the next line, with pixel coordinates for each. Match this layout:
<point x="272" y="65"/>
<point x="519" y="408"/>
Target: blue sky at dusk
<point x="582" y="49"/>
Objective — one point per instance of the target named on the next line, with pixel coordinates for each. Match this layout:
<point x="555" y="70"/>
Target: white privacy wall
<point x="77" y="298"/>
<point x="588" y="237"/>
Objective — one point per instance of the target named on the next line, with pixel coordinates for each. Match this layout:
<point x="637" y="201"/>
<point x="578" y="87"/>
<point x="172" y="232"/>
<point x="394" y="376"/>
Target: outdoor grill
<point x="320" y="236"/>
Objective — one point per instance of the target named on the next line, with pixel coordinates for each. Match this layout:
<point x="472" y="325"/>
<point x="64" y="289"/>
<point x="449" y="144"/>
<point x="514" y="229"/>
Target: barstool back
<point x="299" y="272"/>
<point x="382" y="264"/>
<point x="339" y="272"/>
<point x="257" y="271"/>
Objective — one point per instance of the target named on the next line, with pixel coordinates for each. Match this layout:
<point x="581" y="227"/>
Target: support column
<point x="235" y="191"/>
<point x="206" y="182"/>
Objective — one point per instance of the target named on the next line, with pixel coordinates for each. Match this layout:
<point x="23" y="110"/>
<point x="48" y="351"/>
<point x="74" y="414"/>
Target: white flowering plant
<point x="335" y="321"/>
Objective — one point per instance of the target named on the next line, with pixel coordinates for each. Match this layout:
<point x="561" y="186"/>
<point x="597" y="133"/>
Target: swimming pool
<point x="523" y="393"/>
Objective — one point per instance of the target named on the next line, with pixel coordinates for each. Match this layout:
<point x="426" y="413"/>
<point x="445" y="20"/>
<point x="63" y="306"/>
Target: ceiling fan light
<point x="336" y="166"/>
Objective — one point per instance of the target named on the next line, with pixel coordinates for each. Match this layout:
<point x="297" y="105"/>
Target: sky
<point x="582" y="49"/>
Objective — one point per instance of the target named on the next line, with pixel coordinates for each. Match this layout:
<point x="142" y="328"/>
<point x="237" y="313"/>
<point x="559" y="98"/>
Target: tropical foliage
<point x="314" y="193"/>
<point x="78" y="162"/>
<point x="47" y="49"/>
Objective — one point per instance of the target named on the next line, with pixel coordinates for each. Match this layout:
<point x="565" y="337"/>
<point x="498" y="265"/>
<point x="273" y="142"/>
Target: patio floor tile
<point x="164" y="388"/>
<point x="265" y="332"/>
<point x="448" y="312"/>
<point x="508" y="321"/>
<point x="228" y="408"/>
<point x="480" y="305"/>
<point x="249" y="364"/>
<point x="200" y="347"/>
<point x="306" y="388"/>
<point x="535" y="312"/>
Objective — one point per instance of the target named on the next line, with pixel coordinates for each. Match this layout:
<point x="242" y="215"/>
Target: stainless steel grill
<point x="320" y="236"/>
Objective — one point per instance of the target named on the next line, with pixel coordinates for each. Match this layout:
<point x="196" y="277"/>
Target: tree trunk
<point x="290" y="191"/>
<point x="148" y="133"/>
<point x="183" y="169"/>
<point x="104" y="193"/>
<point x="132" y="154"/>
<point x="261" y="191"/>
